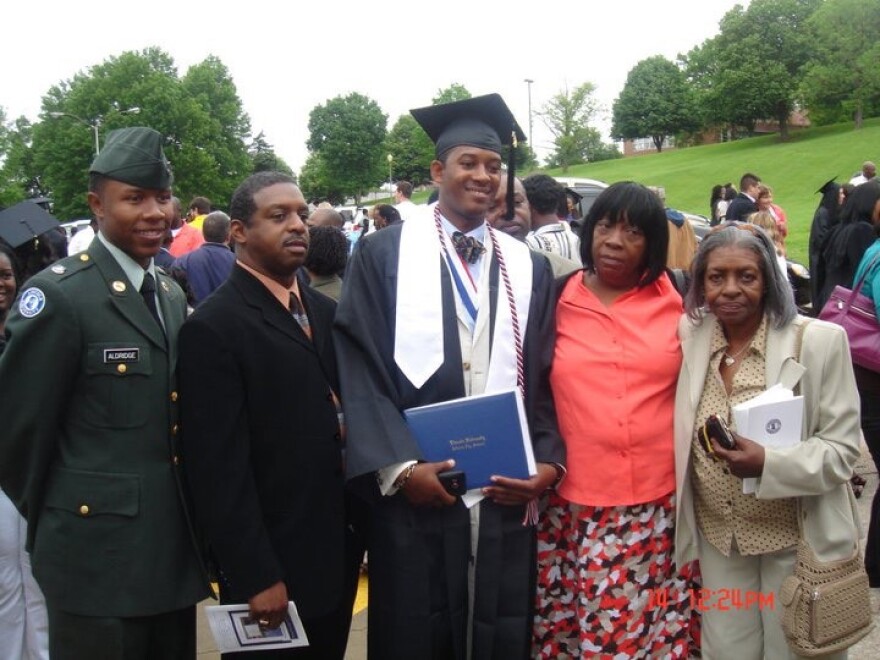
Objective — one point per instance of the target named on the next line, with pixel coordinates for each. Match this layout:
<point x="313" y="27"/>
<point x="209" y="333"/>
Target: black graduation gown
<point x="822" y="225"/>
<point x="419" y="556"/>
<point x="841" y="254"/>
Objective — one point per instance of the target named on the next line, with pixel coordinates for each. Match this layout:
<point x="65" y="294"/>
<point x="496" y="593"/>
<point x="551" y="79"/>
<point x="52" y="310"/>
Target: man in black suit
<point x="745" y="202"/>
<point x="263" y="446"/>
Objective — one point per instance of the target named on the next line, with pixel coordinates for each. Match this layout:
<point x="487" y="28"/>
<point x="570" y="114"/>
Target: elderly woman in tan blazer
<point x="739" y="337"/>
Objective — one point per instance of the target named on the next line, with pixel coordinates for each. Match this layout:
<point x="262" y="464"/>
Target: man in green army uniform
<point x="88" y="449"/>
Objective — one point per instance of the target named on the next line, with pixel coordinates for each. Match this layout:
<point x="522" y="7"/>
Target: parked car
<point x="584" y="191"/>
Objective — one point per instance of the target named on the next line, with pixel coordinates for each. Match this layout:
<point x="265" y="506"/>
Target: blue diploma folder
<point x="485" y="434"/>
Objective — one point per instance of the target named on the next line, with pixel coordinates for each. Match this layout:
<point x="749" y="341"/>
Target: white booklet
<point x="235" y="630"/>
<point x="774" y="419"/>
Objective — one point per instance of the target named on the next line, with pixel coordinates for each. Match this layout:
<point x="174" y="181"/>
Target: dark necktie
<point x="299" y="313"/>
<point x="468" y="247"/>
<point x="148" y="291"/>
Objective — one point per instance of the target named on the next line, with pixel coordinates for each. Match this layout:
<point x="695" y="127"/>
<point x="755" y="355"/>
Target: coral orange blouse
<point x="613" y="378"/>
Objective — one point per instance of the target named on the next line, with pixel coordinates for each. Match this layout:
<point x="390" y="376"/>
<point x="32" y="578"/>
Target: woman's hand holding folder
<point x="520" y="491"/>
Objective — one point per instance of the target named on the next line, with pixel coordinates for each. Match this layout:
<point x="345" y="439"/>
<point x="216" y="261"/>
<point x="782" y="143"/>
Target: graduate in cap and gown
<point x="89" y="449"/>
<point x="441" y="307"/>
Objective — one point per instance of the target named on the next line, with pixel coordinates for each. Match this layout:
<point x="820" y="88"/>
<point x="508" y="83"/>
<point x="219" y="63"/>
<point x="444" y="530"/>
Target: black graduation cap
<point x="482" y="121"/>
<point x="826" y="185"/>
<point x="24" y="222"/>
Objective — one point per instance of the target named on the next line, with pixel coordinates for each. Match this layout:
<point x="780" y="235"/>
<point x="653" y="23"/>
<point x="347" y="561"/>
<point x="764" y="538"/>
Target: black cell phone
<point x="716" y="428"/>
<point x="454" y="482"/>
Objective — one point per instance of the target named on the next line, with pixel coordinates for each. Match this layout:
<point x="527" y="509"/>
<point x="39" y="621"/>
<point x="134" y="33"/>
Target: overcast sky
<point x="285" y="59"/>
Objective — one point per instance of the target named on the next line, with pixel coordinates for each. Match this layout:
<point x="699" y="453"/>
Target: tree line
<point x="768" y="60"/>
<point x="774" y="57"/>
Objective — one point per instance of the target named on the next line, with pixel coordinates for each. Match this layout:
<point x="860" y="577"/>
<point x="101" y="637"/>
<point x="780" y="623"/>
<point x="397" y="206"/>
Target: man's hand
<point x="269" y="607"/>
<point x="423" y="488"/>
<point x="519" y="491"/>
<point x="744" y="460"/>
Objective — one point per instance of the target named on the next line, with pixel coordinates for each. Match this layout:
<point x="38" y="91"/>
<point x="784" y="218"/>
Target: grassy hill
<point x="794" y="170"/>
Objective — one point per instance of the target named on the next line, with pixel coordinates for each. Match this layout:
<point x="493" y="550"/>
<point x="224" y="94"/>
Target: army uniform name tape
<point x="121" y="355"/>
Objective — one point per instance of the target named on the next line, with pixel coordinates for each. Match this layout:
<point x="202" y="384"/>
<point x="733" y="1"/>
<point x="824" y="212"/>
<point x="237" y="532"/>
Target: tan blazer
<point x="819" y="468"/>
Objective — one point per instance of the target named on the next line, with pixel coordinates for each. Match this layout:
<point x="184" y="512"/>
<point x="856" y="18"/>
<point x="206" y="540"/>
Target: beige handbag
<point x="826" y="606"/>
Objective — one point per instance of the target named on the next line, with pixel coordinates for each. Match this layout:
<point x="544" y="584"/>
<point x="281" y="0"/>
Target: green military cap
<point x="134" y="155"/>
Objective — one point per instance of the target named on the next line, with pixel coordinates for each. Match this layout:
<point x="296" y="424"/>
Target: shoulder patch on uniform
<point x="32" y="302"/>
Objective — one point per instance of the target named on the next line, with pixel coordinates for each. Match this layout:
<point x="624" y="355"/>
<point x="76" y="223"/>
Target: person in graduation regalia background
<point x="418" y="323"/>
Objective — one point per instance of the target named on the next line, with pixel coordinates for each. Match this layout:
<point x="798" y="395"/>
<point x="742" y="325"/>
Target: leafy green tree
<point x="455" y="92"/>
<point x="4" y="135"/>
<point x="592" y="148"/>
<point x="18" y="177"/>
<point x="200" y="116"/>
<point x="843" y="80"/>
<point x="349" y="134"/>
<point x="264" y="158"/>
<point x="95" y="101"/>
<point x="700" y="66"/>
<point x="725" y="95"/>
<point x="656" y="100"/>
<point x="776" y="30"/>
<point x="526" y="160"/>
<point x="220" y="137"/>
<point x="411" y="150"/>
<point x="758" y="58"/>
<point x="567" y="115"/>
<point x="316" y="184"/>
<point x="605" y="151"/>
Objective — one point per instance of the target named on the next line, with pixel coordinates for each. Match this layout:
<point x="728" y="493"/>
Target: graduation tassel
<point x="511" y="176"/>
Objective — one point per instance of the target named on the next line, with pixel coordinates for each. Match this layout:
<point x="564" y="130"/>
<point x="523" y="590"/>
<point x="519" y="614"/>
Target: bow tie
<point x="468" y="247"/>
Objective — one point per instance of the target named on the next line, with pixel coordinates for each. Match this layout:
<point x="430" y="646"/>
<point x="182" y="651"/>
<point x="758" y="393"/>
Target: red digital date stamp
<point x="721" y="600"/>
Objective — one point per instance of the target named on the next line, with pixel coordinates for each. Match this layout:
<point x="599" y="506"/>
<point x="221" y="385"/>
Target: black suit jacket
<point x="740" y="208"/>
<point x="261" y="442"/>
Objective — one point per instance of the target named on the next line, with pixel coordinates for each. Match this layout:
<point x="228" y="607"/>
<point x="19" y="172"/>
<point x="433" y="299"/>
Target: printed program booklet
<point x="774" y="419"/>
<point x="235" y="630"/>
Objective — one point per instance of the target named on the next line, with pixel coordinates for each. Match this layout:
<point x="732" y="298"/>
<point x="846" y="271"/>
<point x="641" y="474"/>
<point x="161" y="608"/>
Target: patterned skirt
<point x="608" y="586"/>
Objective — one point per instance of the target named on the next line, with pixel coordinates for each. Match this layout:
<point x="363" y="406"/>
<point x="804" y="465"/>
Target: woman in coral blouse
<point x="607" y="585"/>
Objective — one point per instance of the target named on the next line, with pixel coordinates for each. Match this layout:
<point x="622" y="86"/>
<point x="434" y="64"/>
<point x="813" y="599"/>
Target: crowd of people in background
<point x="234" y="412"/>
